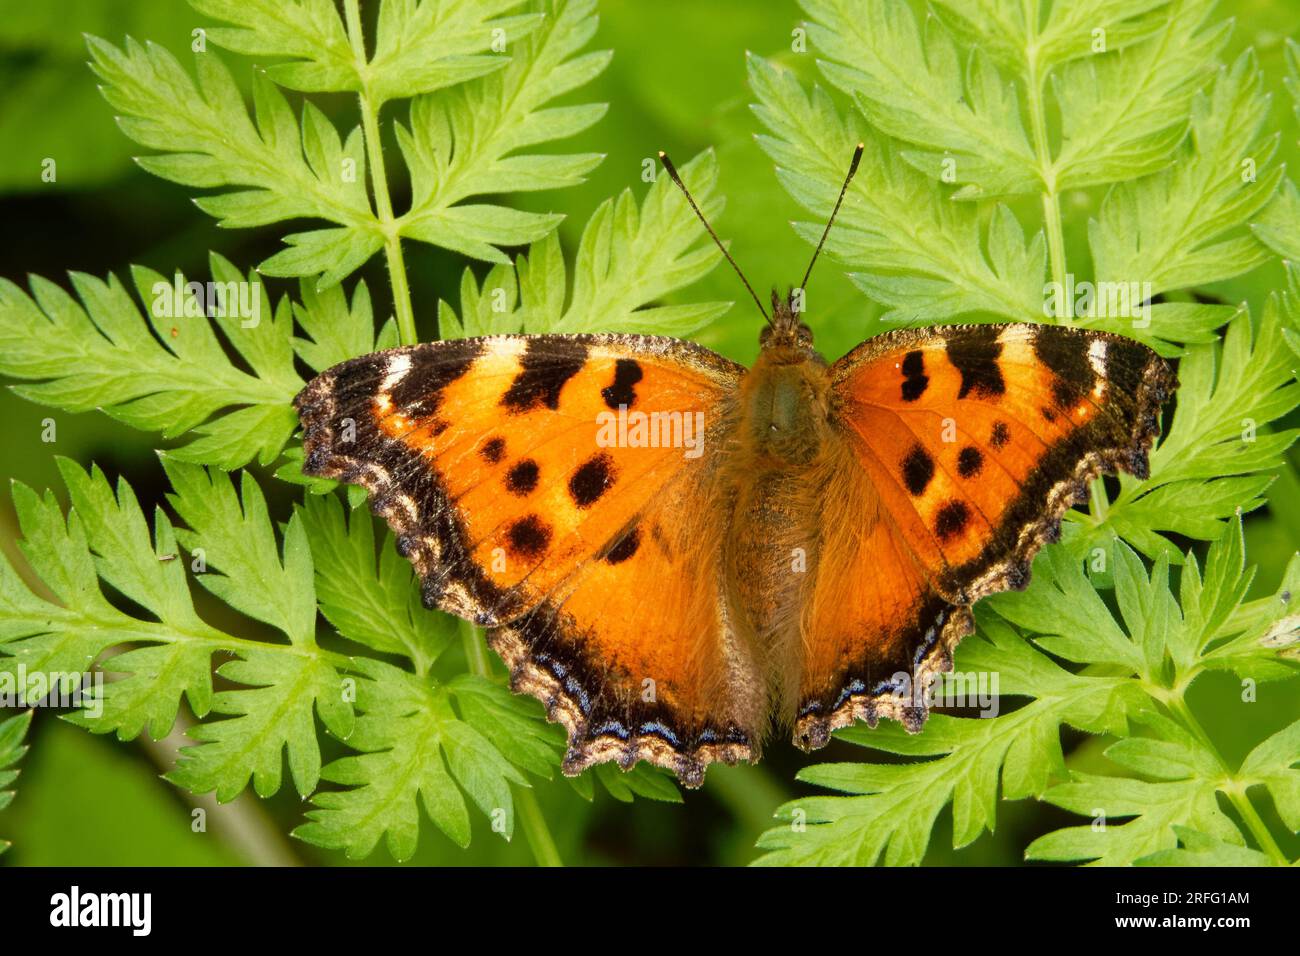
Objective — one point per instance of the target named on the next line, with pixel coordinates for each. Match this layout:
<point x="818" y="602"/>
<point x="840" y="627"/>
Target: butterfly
<point x="674" y="553"/>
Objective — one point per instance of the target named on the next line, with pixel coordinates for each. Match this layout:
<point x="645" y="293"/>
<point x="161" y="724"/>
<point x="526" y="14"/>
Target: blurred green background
<point x="677" y="82"/>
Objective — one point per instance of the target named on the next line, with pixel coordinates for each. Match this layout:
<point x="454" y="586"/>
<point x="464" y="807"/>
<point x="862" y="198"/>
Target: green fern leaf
<point x="1201" y="849"/>
<point x="161" y="370"/>
<point x="12" y="750"/>
<point x="419" y="46"/>
<point x="920" y="253"/>
<point x="467" y="143"/>
<point x="1175" y="229"/>
<point x="915" y="88"/>
<point x="235" y="534"/>
<point x="628" y="258"/>
<point x="1009" y="30"/>
<point x="1279" y="224"/>
<point x="891" y="818"/>
<point x="274" y="712"/>
<point x="209" y="140"/>
<point x="375" y="604"/>
<point x="1125" y="110"/>
<point x="413" y="747"/>
<point x="1273" y="765"/>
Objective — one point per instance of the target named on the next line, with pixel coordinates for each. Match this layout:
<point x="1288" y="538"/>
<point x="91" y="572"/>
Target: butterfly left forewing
<point x="500" y="464"/>
<point x="973" y="441"/>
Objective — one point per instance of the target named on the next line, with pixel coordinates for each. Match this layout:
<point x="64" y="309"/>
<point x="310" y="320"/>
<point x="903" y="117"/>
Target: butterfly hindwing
<point x="973" y="441"/>
<point x="500" y="464"/>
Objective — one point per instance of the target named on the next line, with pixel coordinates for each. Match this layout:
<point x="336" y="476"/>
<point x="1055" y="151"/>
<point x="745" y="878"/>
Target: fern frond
<point x="467" y="142"/>
<point x="1009" y="29"/>
<point x="1279" y="224"/>
<point x="290" y="169"/>
<point x="12" y="750"/>
<point x="1124" y="115"/>
<point x="914" y="87"/>
<point x="163" y="369"/>
<point x="628" y="258"/>
<point x="105" y="547"/>
<point x="894" y="806"/>
<point x="376" y="604"/>
<point x="1184" y="227"/>
<point x="420" y="45"/>
<point x="921" y="255"/>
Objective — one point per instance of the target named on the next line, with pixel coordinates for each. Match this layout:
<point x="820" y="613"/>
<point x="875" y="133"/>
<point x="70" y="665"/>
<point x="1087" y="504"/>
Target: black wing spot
<point x="627" y="372"/>
<point x="543" y="370"/>
<point x="592" y="479"/>
<point x="915" y="381"/>
<point x="625" y="548"/>
<point x="522" y="477"/>
<point x="494" y="450"/>
<point x="1000" y="435"/>
<point x="918" y="469"/>
<point x="969" y="461"/>
<point x="528" y="537"/>
<point x="951" y="519"/>
<point x="974" y="352"/>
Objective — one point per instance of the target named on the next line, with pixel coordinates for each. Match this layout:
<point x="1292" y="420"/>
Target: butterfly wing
<point x="533" y="500"/>
<point x="970" y="442"/>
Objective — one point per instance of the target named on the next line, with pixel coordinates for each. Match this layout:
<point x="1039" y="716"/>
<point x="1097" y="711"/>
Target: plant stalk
<point x="530" y="817"/>
<point x="1236" y="796"/>
<point x="1043" y="150"/>
<point x="379" y="182"/>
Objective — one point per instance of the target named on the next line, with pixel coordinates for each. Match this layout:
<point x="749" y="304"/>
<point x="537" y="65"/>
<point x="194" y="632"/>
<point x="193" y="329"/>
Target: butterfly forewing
<point x="542" y="486"/>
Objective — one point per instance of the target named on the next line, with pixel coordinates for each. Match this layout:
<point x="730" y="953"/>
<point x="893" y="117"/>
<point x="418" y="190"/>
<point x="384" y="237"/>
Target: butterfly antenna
<point x="672" y="171"/>
<point x="853" y="168"/>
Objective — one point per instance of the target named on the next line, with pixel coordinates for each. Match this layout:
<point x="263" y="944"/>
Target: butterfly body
<point x="778" y="479"/>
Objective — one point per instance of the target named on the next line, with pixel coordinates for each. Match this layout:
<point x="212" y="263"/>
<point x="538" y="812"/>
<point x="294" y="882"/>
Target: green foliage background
<point x="678" y="80"/>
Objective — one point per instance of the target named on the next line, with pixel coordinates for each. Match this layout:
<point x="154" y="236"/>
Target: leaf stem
<point x="530" y="817"/>
<point x="535" y="829"/>
<point x="1099" y="502"/>
<point x="379" y="181"/>
<point x="1235" y="794"/>
<point x="1043" y="150"/>
<point x="475" y="649"/>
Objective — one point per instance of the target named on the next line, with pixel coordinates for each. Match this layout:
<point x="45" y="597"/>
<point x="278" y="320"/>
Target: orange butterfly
<point x="672" y="551"/>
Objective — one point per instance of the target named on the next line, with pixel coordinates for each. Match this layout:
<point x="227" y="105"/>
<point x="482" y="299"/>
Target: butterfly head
<point x="785" y="330"/>
<point x="785" y="337"/>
